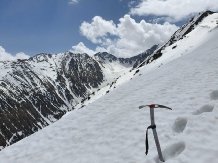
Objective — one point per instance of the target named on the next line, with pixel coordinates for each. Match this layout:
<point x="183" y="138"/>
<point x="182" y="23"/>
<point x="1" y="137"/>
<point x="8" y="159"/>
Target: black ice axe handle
<point x="153" y="127"/>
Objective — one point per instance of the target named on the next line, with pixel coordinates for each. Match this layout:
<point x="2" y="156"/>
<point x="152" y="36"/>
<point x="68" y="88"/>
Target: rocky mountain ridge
<point x="181" y="33"/>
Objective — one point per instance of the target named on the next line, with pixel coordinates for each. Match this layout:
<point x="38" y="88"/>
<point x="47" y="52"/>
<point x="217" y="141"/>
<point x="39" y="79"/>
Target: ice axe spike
<point x="153" y="127"/>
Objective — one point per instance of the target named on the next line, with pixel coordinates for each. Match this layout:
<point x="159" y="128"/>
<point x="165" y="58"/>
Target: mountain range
<point x="38" y="91"/>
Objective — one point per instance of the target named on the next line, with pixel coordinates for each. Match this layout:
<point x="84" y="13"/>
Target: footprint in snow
<point x="179" y="124"/>
<point x="203" y="109"/>
<point x="171" y="151"/>
<point x="214" y="95"/>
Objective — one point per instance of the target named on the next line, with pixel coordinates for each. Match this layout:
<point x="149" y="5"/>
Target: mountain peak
<point x="105" y="55"/>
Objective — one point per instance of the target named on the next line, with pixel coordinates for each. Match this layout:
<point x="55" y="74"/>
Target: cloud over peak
<point x="5" y="56"/>
<point x="81" y="48"/>
<point x="127" y="38"/>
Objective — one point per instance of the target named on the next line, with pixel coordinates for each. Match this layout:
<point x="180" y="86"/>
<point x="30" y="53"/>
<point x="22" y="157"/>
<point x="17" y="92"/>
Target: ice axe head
<point x="151" y="106"/>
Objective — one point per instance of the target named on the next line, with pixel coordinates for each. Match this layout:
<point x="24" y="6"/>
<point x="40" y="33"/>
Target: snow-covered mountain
<point x="112" y="128"/>
<point x="38" y="91"/>
<point x="180" y="34"/>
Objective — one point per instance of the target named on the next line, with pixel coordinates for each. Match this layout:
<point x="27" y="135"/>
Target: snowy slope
<point x="112" y="129"/>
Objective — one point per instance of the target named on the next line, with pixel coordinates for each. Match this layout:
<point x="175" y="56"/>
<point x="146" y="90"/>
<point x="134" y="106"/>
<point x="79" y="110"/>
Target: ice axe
<point x="153" y="127"/>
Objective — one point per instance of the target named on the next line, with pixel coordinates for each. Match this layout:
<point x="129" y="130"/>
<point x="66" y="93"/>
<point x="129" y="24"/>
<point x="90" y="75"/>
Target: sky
<point x="123" y="28"/>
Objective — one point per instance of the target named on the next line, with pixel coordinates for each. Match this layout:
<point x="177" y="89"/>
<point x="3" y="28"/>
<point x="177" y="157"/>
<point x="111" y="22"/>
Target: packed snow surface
<point x="112" y="128"/>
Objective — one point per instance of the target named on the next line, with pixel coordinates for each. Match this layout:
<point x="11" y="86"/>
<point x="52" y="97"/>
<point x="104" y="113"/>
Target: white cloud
<point x="175" y="9"/>
<point x="5" y="56"/>
<point x="98" y="29"/>
<point x="81" y="48"/>
<point x="21" y="55"/>
<point x="73" y="1"/>
<point x="129" y="37"/>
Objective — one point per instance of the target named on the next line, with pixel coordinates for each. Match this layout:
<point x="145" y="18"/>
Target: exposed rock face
<point x="37" y="92"/>
<point x="40" y="90"/>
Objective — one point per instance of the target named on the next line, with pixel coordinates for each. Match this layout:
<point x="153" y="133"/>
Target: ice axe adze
<point x="153" y="127"/>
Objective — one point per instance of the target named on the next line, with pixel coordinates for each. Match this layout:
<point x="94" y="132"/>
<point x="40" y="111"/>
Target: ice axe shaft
<point x="153" y="127"/>
<point x="155" y="135"/>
